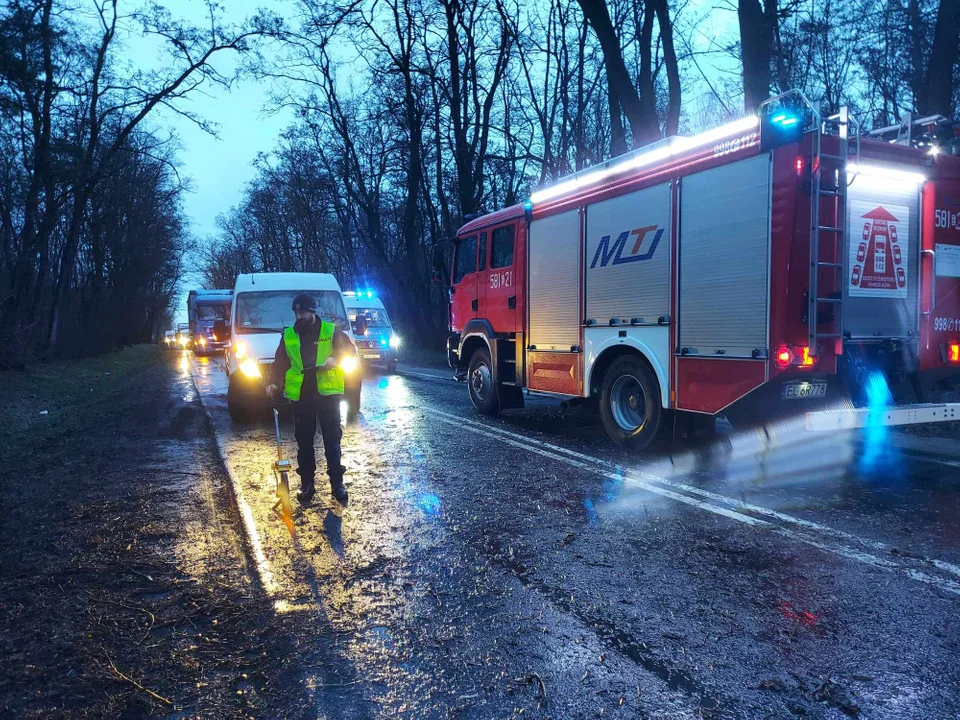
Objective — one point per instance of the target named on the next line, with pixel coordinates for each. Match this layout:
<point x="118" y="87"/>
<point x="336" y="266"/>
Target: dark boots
<point x="306" y="492"/>
<point x="337" y="487"/>
<point x="308" y="489"/>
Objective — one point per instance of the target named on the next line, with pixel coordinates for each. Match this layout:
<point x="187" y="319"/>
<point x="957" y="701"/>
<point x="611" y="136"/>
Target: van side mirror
<point x="221" y="330"/>
<point x="361" y="325"/>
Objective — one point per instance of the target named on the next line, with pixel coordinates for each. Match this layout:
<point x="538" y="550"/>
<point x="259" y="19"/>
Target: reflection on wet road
<point x="491" y="566"/>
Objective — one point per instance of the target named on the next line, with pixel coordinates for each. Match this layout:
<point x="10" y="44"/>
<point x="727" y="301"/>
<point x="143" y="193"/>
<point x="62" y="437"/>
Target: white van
<point x="376" y="340"/>
<point x="260" y="310"/>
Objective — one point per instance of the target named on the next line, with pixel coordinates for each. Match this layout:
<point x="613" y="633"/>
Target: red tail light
<point x="799" y="165"/>
<point x="784" y="356"/>
<point x="953" y="353"/>
<point x="795" y="356"/>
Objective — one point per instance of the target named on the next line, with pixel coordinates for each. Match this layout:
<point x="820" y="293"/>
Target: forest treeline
<point x="410" y="115"/>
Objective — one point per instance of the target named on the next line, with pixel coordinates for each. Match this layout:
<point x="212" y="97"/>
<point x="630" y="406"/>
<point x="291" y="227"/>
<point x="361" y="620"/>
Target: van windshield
<point x="270" y="311"/>
<point x="376" y="317"/>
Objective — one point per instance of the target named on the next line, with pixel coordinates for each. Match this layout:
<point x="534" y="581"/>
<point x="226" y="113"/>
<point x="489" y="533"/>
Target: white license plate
<point x="803" y="390"/>
<point x="370" y="356"/>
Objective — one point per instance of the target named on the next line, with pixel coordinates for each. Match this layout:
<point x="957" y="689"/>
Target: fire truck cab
<point x="777" y="264"/>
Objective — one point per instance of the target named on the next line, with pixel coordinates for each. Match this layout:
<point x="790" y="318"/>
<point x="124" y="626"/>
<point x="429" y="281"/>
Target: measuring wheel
<point x="281" y="471"/>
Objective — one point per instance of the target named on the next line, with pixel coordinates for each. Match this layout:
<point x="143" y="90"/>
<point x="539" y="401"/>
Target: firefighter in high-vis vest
<point x="307" y="367"/>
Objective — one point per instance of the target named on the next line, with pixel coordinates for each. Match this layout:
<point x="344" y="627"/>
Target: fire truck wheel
<point x="630" y="404"/>
<point x="483" y="391"/>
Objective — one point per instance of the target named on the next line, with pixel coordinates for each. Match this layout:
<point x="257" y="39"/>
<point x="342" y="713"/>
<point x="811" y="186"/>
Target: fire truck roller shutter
<point x="724" y="259"/>
<point x="555" y="282"/>
<point x="884" y="216"/>
<point x="628" y="272"/>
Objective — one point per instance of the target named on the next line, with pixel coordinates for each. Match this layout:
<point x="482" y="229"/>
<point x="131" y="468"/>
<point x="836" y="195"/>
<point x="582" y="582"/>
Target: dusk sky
<point x="218" y="167"/>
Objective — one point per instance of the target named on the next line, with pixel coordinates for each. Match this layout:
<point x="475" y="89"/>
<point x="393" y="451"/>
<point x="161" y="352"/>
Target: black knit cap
<point x="304" y="303"/>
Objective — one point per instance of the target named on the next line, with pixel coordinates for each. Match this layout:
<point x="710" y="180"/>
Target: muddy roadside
<point x="125" y="589"/>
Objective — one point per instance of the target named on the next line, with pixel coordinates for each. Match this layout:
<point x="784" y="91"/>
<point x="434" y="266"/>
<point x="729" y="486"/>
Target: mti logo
<point x="607" y="251"/>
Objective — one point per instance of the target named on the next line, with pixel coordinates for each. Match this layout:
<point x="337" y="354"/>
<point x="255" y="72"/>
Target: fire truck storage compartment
<point x="553" y="303"/>
<point x="555" y="282"/>
<point x="724" y="260"/>
<point x="882" y="239"/>
<point x="628" y="277"/>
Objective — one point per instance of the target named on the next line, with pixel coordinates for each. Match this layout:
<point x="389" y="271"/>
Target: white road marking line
<point x="915" y="455"/>
<point x="590" y="464"/>
<point x="246" y="514"/>
<point x="427" y="376"/>
<point x="614" y="476"/>
<point x="717" y="497"/>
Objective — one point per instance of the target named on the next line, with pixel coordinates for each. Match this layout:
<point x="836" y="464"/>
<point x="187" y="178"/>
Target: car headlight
<point x="239" y="350"/>
<point x="394" y="341"/>
<point x="203" y="340"/>
<point x="250" y="368"/>
<point x="183" y="341"/>
<point x="349" y="363"/>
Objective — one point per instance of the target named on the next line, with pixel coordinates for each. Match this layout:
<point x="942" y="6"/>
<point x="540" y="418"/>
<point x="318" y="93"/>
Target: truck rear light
<point x="953" y="353"/>
<point x="799" y="165"/>
<point x="784" y="356"/>
<point x="795" y="356"/>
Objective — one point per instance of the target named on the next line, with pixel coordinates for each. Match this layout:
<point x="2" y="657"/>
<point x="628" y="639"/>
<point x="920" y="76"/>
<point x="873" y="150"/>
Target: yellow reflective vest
<point x="329" y="382"/>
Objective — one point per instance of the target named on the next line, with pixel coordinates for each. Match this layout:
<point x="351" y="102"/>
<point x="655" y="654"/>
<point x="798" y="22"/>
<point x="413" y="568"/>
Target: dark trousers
<point x="324" y="410"/>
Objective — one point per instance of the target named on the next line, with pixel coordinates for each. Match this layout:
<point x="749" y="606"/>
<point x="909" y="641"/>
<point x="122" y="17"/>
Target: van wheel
<point x="237" y="405"/>
<point x="483" y="391"/>
<point x="630" y="404"/>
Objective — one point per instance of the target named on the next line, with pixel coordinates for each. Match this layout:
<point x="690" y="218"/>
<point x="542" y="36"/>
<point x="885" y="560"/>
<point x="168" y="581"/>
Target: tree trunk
<point x="672" y="67"/>
<point x="757" y="24"/>
<point x="642" y="126"/>
<point x="936" y="94"/>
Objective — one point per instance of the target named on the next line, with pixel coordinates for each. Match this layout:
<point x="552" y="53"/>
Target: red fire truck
<point x="777" y="263"/>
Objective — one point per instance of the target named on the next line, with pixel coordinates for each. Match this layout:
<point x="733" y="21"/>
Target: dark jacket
<point x="309" y="338"/>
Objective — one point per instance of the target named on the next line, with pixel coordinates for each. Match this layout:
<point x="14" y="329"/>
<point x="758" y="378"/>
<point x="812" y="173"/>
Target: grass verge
<point x="69" y="392"/>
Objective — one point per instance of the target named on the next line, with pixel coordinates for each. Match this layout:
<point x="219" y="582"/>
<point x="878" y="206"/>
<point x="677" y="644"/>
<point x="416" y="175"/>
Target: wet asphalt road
<point x="522" y="565"/>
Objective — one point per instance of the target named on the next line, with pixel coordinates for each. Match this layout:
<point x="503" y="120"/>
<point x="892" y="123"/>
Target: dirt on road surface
<point x="124" y="585"/>
<point x="517" y="566"/>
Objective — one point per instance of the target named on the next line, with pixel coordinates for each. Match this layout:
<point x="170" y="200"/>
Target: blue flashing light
<point x="528" y="206"/>
<point x="383" y="341"/>
<point x="784" y="119"/>
<point x="370" y="292"/>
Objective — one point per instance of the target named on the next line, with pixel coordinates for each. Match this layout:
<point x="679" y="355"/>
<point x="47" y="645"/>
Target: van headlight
<point x="348" y="364"/>
<point x="239" y="350"/>
<point x="250" y="368"/>
<point x="394" y="341"/>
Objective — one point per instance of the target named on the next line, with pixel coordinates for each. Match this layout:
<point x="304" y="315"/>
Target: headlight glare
<point x="239" y="350"/>
<point x="394" y="341"/>
<point x="348" y="364"/>
<point x="250" y="368"/>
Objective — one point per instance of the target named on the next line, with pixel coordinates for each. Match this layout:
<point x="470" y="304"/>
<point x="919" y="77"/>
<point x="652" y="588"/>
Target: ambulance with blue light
<point x="378" y="342"/>
<point x="782" y="264"/>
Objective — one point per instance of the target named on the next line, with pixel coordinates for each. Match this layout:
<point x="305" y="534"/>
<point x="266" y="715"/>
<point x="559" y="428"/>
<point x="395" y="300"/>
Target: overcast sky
<point x="218" y="167"/>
